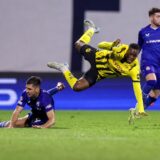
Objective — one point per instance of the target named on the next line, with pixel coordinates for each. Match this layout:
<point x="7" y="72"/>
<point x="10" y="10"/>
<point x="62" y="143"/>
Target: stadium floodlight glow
<point x="8" y="80"/>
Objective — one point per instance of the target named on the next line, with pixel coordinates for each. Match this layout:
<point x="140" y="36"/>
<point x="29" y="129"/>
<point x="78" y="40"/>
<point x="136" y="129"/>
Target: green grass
<point x="84" y="135"/>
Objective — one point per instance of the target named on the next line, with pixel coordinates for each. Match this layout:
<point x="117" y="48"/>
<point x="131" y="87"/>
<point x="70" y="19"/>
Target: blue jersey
<point x="39" y="106"/>
<point x="149" y="41"/>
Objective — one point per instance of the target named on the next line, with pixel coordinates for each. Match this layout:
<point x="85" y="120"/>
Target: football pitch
<point x="84" y="135"/>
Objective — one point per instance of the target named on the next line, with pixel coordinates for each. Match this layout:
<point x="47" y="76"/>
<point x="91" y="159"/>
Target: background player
<point x="149" y="41"/>
<point x="113" y="61"/>
<point x="41" y="102"/>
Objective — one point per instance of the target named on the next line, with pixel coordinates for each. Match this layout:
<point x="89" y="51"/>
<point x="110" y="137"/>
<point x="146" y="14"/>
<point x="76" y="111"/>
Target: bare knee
<point x="79" y="44"/>
<point x="81" y="85"/>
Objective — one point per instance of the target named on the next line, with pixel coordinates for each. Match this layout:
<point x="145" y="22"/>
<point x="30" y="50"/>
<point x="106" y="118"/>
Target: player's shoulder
<point x="45" y="97"/>
<point x="45" y="93"/>
<point x="24" y="94"/>
<point x="136" y="61"/>
<point x="146" y="28"/>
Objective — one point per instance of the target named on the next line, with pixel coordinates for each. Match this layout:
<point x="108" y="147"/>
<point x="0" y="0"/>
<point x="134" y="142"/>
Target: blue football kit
<point x="149" y="41"/>
<point x="39" y="107"/>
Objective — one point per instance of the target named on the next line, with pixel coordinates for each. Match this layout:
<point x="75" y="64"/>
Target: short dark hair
<point x="153" y="11"/>
<point x="135" y="46"/>
<point x="34" y="80"/>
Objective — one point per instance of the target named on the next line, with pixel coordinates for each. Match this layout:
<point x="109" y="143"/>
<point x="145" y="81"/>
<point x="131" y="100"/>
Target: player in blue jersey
<point x="42" y="113"/>
<point x="149" y="41"/>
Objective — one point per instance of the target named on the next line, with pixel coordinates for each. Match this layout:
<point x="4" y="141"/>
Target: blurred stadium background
<point x="33" y="32"/>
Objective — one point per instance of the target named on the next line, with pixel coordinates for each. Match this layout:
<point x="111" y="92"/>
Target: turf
<point x="84" y="135"/>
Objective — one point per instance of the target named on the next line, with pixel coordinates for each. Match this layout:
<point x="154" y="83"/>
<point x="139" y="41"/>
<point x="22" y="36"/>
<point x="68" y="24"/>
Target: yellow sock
<point x="86" y="37"/>
<point x="70" y="78"/>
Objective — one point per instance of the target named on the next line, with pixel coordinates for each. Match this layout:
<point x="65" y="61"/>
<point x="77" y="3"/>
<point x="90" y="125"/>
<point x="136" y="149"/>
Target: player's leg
<point x="151" y="80"/>
<point x="75" y="84"/>
<point x="4" y="124"/>
<point x="88" y="52"/>
<point x="154" y="93"/>
<point x="63" y="67"/>
<point x="21" y="122"/>
<point x="86" y="37"/>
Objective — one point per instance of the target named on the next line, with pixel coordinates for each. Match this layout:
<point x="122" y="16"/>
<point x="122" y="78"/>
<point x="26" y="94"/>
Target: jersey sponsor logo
<point x="118" y="68"/>
<point x="153" y="41"/>
<point x="88" y="50"/>
<point x="147" y="34"/>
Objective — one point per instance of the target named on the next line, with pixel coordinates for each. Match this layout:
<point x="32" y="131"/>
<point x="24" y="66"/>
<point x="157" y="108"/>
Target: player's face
<point x="31" y="90"/>
<point x="155" y="19"/>
<point x="131" y="55"/>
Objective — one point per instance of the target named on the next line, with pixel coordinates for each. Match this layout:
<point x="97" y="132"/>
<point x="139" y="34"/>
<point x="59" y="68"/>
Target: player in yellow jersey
<point x="110" y="60"/>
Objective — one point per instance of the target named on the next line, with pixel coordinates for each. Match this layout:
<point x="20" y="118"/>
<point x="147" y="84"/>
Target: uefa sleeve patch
<point x="48" y="106"/>
<point x="20" y="102"/>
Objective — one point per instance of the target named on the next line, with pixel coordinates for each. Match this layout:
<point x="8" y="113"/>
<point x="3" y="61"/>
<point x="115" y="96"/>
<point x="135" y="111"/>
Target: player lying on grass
<point x="113" y="60"/>
<point x="42" y="113"/>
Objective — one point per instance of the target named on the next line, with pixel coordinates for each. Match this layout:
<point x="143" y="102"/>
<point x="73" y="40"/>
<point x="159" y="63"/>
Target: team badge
<point x="38" y="103"/>
<point x="148" y="68"/>
<point x="88" y="50"/>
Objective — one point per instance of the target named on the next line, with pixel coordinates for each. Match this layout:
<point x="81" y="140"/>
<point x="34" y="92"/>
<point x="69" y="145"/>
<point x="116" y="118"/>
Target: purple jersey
<point x="149" y="41"/>
<point x="40" y="106"/>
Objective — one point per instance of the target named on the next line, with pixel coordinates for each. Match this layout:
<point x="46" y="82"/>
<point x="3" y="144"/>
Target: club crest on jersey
<point x="38" y="103"/>
<point x="148" y="68"/>
<point x="147" y="34"/>
<point x="88" y="50"/>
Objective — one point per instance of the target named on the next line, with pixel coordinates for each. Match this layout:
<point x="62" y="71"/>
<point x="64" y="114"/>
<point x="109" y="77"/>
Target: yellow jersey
<point x="109" y="63"/>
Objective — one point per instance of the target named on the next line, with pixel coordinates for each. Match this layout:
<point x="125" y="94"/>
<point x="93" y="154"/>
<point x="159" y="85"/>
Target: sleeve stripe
<point x="136" y="81"/>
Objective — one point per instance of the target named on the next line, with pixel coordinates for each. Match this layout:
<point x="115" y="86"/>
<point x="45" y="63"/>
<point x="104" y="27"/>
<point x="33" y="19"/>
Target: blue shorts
<point x="146" y="69"/>
<point x="33" y="120"/>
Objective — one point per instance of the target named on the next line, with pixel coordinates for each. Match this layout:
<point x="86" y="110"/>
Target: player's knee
<point x="151" y="83"/>
<point x="78" y="45"/>
<point x="80" y="85"/>
<point x="77" y="88"/>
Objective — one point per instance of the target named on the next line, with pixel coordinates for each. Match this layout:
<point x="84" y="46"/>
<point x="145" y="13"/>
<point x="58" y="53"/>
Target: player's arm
<point x="108" y="45"/>
<point x="51" y="119"/>
<point x="137" y="89"/>
<point x="20" y="105"/>
<point x="15" y="116"/>
<point x="60" y="86"/>
<point x="140" y="39"/>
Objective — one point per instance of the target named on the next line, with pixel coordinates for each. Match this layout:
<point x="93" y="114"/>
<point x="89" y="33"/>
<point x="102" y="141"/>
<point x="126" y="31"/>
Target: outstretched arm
<point x="138" y="95"/>
<point x="60" y="86"/>
<point x="109" y="45"/>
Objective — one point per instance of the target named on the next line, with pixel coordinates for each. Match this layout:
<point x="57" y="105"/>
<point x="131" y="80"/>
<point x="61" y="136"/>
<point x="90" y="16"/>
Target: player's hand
<point x="36" y="126"/>
<point x="10" y="126"/>
<point x="60" y="86"/>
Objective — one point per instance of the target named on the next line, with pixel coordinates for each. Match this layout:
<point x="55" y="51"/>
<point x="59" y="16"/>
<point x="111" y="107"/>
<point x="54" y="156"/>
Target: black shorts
<point x="88" y="52"/>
